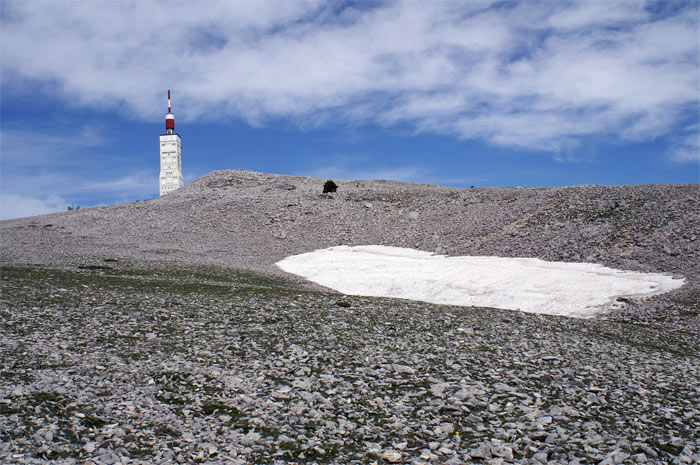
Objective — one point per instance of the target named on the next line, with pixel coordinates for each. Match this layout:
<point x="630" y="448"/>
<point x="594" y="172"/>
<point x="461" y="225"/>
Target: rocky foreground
<point x="130" y="365"/>
<point x="161" y="332"/>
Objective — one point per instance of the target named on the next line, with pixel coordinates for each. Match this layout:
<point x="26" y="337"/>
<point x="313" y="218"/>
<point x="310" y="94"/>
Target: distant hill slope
<point x="244" y="219"/>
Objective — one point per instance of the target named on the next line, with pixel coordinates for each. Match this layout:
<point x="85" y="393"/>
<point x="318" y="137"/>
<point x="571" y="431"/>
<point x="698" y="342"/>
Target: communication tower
<point x="170" y="155"/>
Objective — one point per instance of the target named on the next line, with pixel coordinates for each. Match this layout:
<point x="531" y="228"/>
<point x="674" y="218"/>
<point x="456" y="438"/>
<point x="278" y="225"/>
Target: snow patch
<point x="528" y="284"/>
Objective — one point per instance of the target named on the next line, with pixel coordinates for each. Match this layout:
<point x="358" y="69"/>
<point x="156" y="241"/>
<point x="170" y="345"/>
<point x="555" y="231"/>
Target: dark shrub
<point x="329" y="186"/>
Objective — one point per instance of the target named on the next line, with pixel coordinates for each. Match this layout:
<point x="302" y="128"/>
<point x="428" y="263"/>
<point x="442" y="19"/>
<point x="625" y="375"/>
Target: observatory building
<point x="170" y="156"/>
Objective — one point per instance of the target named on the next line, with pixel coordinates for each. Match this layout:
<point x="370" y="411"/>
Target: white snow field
<point x="528" y="284"/>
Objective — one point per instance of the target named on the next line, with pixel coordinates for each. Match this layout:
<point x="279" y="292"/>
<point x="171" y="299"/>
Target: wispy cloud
<point x="40" y="193"/>
<point x="357" y="167"/>
<point x="405" y="173"/>
<point x="140" y="183"/>
<point x="69" y="184"/>
<point x="539" y="75"/>
<point x="27" y="148"/>
<point x="687" y="146"/>
<point x="46" y="170"/>
<point x="19" y="206"/>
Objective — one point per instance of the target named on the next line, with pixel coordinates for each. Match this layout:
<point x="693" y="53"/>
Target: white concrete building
<point x="170" y="156"/>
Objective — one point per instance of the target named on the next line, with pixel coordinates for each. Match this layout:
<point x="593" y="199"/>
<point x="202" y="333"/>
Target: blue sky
<point x="456" y="93"/>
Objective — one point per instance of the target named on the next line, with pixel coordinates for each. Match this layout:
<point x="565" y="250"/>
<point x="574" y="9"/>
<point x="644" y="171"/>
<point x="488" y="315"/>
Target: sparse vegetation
<point x="274" y="362"/>
<point x="329" y="187"/>
<point x="163" y="351"/>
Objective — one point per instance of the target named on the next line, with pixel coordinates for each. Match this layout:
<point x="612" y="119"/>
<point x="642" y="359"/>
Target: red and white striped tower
<point x="169" y="118"/>
<point x="170" y="155"/>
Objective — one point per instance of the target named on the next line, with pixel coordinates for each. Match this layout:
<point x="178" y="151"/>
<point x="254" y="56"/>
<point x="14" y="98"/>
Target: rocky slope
<point x="141" y="366"/>
<point x="162" y="332"/>
<point x="243" y="219"/>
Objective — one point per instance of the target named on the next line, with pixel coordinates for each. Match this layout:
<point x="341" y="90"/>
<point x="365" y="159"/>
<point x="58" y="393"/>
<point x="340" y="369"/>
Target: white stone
<point x="391" y="456"/>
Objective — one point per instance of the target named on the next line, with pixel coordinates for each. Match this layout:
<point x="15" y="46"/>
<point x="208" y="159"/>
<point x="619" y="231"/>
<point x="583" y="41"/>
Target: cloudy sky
<point x="450" y="92"/>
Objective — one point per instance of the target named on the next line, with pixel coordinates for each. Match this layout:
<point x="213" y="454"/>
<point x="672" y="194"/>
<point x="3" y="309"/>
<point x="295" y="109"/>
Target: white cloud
<point x="343" y="167"/>
<point x="687" y="146"/>
<point x="141" y="183"/>
<point x="538" y="75"/>
<point x="358" y="167"/>
<point x="19" y="206"/>
<point x="39" y="147"/>
<point x="101" y="188"/>
<point x="43" y="168"/>
<point x="406" y="174"/>
<point x="585" y="15"/>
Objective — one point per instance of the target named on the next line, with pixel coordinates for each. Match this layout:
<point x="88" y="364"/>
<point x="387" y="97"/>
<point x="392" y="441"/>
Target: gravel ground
<point x="128" y="365"/>
<point x="161" y="331"/>
<point x="243" y="219"/>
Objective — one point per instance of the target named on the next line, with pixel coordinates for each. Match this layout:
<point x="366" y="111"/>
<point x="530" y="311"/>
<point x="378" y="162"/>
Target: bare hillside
<point x="248" y="220"/>
<point x="161" y="331"/>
